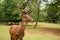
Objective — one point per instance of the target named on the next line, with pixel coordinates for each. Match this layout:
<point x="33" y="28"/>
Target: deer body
<point x="17" y="31"/>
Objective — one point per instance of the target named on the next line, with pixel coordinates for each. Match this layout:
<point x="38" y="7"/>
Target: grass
<point x="31" y="34"/>
<point x="39" y="37"/>
<point x="45" y="25"/>
<point x="4" y="32"/>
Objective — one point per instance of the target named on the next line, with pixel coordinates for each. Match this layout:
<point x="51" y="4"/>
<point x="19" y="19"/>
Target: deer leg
<point x="16" y="39"/>
<point x="21" y="38"/>
<point x="12" y="38"/>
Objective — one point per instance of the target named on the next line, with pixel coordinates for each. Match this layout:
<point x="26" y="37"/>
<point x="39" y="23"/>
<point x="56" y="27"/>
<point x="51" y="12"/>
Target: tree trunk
<point x="37" y="19"/>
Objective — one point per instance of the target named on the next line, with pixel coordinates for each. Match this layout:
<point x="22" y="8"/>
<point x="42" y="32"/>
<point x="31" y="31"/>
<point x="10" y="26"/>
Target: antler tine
<point x="27" y="10"/>
<point x="19" y="6"/>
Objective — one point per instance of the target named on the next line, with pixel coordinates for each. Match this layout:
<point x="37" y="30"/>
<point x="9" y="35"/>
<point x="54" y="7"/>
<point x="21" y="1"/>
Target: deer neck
<point x="23" y="24"/>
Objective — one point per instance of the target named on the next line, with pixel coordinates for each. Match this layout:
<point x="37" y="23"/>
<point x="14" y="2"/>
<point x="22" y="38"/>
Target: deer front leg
<point x="21" y="38"/>
<point x="14" y="38"/>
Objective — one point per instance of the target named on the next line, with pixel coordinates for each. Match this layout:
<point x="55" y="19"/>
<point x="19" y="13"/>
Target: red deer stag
<point x="17" y="31"/>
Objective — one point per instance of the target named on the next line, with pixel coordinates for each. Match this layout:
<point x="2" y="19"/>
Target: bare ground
<point x="45" y="31"/>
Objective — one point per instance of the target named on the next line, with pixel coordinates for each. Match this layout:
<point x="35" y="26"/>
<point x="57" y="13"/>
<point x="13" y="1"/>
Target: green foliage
<point x="52" y="12"/>
<point x="10" y="11"/>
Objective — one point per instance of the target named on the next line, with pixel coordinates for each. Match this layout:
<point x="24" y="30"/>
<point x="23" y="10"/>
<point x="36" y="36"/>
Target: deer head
<point x="25" y="15"/>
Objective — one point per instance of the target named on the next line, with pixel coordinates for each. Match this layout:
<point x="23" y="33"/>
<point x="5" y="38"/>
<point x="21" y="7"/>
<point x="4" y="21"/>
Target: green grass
<point x="4" y="32"/>
<point x="39" y="37"/>
<point x="31" y="34"/>
<point x="45" y="25"/>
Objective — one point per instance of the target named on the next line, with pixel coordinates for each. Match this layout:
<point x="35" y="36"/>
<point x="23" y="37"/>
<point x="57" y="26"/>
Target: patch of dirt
<point x="46" y="31"/>
<point x="51" y="31"/>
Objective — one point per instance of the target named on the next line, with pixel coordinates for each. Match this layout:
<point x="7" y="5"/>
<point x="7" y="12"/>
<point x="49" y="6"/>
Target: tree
<point x="0" y="12"/>
<point x="10" y="11"/>
<point x="52" y="12"/>
<point x="37" y="19"/>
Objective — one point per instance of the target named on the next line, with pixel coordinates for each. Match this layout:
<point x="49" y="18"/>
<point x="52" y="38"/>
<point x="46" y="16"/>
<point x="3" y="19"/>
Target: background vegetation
<point x="42" y="10"/>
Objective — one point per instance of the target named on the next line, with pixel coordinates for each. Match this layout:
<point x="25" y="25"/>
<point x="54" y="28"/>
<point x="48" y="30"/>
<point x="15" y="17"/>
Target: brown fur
<point x="17" y="31"/>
